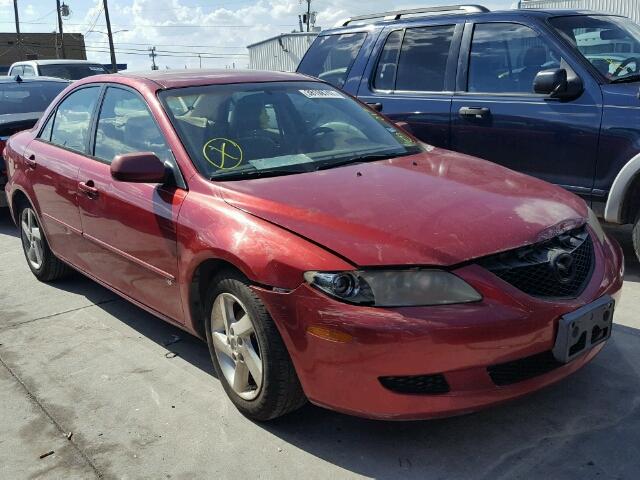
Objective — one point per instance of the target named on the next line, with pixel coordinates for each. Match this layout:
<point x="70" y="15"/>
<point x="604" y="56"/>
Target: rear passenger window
<point x="72" y="119"/>
<point x="423" y="59"/>
<point x="125" y="125"/>
<point x="331" y="56"/>
<point x="28" y="71"/>
<point x="385" y="77"/>
<point x="506" y="57"/>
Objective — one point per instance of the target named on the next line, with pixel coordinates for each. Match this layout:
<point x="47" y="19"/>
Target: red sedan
<point x="322" y="252"/>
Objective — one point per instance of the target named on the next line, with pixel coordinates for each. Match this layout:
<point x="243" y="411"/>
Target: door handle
<point x="30" y="161"/>
<point x="377" y="106"/>
<point x="88" y="188"/>
<point x="474" y="112"/>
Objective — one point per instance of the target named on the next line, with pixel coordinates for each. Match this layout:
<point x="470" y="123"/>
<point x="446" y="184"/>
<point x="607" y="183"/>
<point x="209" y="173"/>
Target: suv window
<point x="73" y="119"/>
<point x="28" y="71"/>
<point x="506" y="57"/>
<point x="71" y="71"/>
<point x="18" y="70"/>
<point x="28" y="97"/>
<point x="385" y="77"/>
<point x="331" y="56"/>
<point x="125" y="125"/>
<point x="423" y="58"/>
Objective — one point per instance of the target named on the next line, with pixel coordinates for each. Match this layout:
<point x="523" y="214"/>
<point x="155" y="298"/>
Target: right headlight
<point x="394" y="288"/>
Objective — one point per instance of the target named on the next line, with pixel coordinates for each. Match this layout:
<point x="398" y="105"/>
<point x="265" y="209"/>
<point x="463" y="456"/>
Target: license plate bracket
<point x="583" y="329"/>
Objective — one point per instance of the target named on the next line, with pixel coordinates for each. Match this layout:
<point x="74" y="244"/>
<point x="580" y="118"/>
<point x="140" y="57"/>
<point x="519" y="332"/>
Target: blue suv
<point x="554" y="94"/>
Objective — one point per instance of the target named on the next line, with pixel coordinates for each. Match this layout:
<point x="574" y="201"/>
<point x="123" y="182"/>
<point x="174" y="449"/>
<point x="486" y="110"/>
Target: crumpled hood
<point x="434" y="208"/>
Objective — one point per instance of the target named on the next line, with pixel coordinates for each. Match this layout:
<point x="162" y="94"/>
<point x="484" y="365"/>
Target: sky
<point x="187" y="32"/>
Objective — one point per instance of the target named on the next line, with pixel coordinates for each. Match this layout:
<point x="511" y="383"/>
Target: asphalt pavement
<point x="93" y="385"/>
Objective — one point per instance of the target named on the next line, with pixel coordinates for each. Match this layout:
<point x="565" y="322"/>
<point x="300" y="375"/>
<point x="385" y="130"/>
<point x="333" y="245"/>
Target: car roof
<point x="191" y="78"/>
<point x="472" y="15"/>
<point x="55" y="62"/>
<point x="14" y="79"/>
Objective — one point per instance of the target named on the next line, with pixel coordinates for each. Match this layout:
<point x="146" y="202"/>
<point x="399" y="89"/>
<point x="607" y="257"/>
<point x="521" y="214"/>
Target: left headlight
<point x="394" y="288"/>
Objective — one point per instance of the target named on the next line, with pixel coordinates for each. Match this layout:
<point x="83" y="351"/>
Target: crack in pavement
<point x="52" y="315"/>
<point x="58" y="426"/>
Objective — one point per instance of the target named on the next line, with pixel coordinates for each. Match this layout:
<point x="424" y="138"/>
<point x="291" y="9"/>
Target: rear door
<point x="130" y="228"/>
<point x="497" y="116"/>
<point x="54" y="159"/>
<point x="413" y="78"/>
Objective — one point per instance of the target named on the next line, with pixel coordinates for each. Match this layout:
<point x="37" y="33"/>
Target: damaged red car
<point x="322" y="252"/>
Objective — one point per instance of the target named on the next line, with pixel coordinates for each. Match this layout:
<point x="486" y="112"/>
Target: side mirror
<point x="139" y="167"/>
<point x="556" y="84"/>
<point x="550" y="82"/>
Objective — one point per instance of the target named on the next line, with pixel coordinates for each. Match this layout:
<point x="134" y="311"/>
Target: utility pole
<point x="114" y="65"/>
<point x="60" y="29"/>
<point x="200" y="58"/>
<point x="18" y="36"/>
<point x="153" y="56"/>
<point x="308" y="16"/>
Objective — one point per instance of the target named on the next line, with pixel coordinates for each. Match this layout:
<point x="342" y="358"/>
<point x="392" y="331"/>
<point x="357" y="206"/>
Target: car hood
<point x="434" y="208"/>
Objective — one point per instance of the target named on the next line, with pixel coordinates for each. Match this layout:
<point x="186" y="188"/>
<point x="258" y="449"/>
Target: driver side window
<point x="506" y="57"/>
<point x="125" y="125"/>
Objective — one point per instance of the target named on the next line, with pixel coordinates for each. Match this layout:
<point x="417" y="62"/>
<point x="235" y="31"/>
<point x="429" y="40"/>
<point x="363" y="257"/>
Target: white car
<point x="67" y="69"/>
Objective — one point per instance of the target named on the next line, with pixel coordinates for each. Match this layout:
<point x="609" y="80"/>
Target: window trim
<point x="462" y="79"/>
<point x="54" y="112"/>
<point x="450" y="67"/>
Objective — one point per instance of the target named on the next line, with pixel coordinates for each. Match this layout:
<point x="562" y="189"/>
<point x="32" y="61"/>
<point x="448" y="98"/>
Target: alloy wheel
<point x="32" y="238"/>
<point x="236" y="346"/>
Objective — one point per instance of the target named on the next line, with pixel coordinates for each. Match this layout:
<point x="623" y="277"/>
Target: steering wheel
<point x="320" y="131"/>
<point x="624" y="64"/>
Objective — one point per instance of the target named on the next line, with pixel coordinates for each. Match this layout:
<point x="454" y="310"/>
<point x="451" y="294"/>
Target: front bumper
<point x="458" y="342"/>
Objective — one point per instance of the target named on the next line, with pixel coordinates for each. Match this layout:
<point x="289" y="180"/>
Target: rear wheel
<point x="248" y="353"/>
<point x="41" y="260"/>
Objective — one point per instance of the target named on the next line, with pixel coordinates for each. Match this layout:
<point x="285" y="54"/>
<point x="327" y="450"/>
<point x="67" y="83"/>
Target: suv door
<point x="54" y="159"/>
<point x="497" y="116"/>
<point x="131" y="228"/>
<point x="413" y="78"/>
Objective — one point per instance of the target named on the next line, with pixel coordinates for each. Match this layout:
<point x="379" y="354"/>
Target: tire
<point x="636" y="236"/>
<point x="44" y="265"/>
<point x="236" y="347"/>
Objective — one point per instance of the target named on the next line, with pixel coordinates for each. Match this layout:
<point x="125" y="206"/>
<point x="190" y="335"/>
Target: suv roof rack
<point x="397" y="14"/>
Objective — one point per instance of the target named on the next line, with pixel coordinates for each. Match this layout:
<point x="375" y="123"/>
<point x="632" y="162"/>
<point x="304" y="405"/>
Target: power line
<point x="172" y="45"/>
<point x="153" y="25"/>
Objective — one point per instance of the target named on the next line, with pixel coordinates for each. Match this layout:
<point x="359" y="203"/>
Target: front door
<point x="131" y="227"/>
<point x="497" y="116"/>
<point x="413" y="79"/>
<point x="54" y="159"/>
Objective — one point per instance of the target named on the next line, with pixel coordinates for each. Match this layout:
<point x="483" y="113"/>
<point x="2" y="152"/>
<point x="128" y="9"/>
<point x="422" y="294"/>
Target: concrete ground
<point x="75" y="359"/>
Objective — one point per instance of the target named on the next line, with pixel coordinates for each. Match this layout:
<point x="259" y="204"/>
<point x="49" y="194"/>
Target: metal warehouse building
<point x="628" y="8"/>
<point x="281" y="53"/>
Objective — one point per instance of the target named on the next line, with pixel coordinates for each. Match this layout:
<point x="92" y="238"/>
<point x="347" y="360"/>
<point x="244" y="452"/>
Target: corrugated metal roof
<point x="281" y="53"/>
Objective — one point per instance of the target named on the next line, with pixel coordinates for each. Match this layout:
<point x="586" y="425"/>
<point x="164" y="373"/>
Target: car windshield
<point x="26" y="97"/>
<point x="71" y="71"/>
<point x="611" y="44"/>
<point x="278" y="128"/>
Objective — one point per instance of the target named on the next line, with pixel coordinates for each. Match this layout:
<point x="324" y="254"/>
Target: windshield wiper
<point x="246" y="174"/>
<point x="372" y="157"/>
<point x="628" y="79"/>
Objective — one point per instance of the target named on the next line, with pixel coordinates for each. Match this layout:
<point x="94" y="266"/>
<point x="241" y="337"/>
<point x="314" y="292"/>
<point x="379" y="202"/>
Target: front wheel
<point x="41" y="260"/>
<point x="636" y="236"/>
<point x="248" y="353"/>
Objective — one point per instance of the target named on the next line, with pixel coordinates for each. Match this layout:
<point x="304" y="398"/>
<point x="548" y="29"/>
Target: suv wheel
<point x="41" y="260"/>
<point x="636" y="236"/>
<point x="248" y="353"/>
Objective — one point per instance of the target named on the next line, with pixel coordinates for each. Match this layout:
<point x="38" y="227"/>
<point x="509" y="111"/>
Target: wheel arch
<point x="624" y="196"/>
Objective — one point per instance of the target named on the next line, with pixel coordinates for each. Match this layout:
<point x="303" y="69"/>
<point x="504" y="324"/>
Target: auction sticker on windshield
<point x="321" y="94"/>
